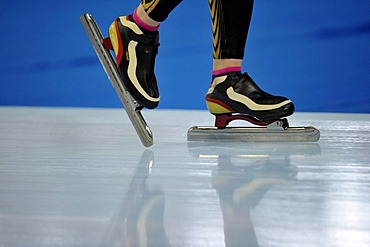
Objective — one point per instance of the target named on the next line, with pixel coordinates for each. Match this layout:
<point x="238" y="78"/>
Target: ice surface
<point x="80" y="177"/>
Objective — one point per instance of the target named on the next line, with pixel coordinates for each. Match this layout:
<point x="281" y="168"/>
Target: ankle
<point x="226" y="66"/>
<point x="226" y="70"/>
<point x="228" y="62"/>
<point x="142" y="19"/>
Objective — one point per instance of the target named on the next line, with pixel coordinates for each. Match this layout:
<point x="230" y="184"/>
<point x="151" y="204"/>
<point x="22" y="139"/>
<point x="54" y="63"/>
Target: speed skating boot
<point x="135" y="57"/>
<point x="237" y="93"/>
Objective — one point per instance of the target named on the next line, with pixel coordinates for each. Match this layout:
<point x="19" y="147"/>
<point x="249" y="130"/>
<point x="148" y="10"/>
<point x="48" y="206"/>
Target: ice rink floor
<point x="80" y="177"/>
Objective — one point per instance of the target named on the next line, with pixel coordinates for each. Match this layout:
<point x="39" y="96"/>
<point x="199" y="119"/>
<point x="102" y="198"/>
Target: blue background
<point x="315" y="52"/>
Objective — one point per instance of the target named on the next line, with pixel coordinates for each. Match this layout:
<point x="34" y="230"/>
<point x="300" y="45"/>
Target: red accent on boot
<point x="223" y="120"/>
<point x="107" y="43"/>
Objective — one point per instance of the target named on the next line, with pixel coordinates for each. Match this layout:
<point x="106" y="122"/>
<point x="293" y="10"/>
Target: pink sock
<point x="142" y="24"/>
<point x="226" y="70"/>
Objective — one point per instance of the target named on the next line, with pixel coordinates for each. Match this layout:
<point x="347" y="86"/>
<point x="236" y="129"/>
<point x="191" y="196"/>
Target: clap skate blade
<point x="271" y="131"/>
<point x="131" y="106"/>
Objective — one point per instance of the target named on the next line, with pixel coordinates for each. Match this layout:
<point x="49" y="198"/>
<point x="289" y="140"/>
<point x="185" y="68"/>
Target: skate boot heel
<point x="107" y="43"/>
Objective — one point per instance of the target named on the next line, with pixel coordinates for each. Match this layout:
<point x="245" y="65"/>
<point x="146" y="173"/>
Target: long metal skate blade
<point x="254" y="134"/>
<point x="108" y="63"/>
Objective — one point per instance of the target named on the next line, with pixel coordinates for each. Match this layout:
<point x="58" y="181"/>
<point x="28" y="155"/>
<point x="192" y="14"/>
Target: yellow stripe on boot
<point x="215" y="108"/>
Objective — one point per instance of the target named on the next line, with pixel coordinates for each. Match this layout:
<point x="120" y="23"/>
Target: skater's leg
<point x="135" y="41"/>
<point x="231" y="91"/>
<point x="230" y="22"/>
<point x="142" y="18"/>
<point x="159" y="10"/>
<point x="230" y="26"/>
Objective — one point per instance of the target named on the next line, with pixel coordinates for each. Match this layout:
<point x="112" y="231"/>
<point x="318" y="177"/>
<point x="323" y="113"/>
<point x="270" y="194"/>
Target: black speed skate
<point x="135" y="57"/>
<point x="237" y="93"/>
<point x="236" y="96"/>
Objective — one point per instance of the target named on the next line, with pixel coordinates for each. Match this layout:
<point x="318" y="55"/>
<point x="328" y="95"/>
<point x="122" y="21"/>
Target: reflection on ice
<point x="245" y="172"/>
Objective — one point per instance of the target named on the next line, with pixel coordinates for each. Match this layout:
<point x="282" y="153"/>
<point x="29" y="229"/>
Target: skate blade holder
<point x="272" y="131"/>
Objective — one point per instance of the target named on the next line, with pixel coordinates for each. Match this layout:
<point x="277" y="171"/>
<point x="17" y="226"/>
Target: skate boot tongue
<point x="246" y="84"/>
